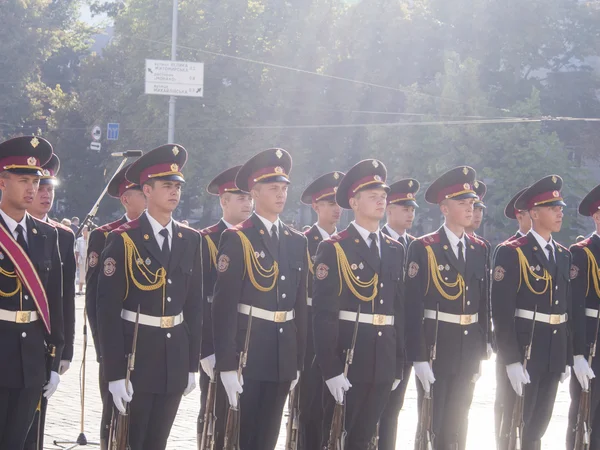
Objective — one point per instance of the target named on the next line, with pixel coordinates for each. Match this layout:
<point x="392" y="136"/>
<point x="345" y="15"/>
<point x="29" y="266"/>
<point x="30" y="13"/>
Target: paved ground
<point x="64" y="409"/>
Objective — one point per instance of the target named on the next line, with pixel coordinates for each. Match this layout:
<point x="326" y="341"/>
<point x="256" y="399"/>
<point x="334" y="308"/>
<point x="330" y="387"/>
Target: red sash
<point x="26" y="273"/>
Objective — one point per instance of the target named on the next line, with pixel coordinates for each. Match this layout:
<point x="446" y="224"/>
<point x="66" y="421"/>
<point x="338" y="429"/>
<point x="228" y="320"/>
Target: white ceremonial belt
<point x="552" y="319"/>
<point x="309" y="301"/>
<point x="370" y="319"/>
<point x="593" y="313"/>
<point x="18" y="316"/>
<point x="265" y="314"/>
<point x="458" y="319"/>
<point x="153" y="321"/>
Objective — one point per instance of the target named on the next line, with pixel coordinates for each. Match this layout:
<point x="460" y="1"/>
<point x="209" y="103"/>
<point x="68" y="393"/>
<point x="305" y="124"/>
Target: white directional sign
<point x="178" y="78"/>
<point x="96" y="133"/>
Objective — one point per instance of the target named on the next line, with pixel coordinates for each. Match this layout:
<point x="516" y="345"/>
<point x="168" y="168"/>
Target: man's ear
<point x="147" y="189"/>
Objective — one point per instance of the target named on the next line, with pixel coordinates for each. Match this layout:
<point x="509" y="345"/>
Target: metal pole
<point x="171" y="130"/>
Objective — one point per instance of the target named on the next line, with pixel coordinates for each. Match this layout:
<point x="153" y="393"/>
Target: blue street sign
<point x="112" y="131"/>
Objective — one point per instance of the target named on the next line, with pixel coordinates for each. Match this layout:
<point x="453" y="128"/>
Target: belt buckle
<point x="465" y="319"/>
<point x="23" y="317"/>
<point x="378" y="319"/>
<point x="280" y="316"/>
<point x="167" y="322"/>
<point x="554" y="319"/>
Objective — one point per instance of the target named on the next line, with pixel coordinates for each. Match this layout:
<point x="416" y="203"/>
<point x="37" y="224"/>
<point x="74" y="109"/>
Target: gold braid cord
<point x="154" y="280"/>
<point x="251" y="263"/>
<point x="525" y="270"/>
<point x="311" y="266"/>
<point x="212" y="251"/>
<point x="593" y="272"/>
<point x="10" y="275"/>
<point x="438" y="280"/>
<point x="345" y="272"/>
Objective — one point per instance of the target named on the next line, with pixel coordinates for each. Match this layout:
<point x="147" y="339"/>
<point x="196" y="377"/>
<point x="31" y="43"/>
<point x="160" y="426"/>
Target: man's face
<point x="458" y="212"/>
<point x="165" y="194"/>
<point x="134" y="202"/>
<point x="328" y="211"/>
<point x="548" y="217"/>
<point x="43" y="200"/>
<point x="400" y="217"/>
<point x="524" y="220"/>
<point x="237" y="206"/>
<point x="19" y="190"/>
<point x="271" y="197"/>
<point x="477" y="218"/>
<point x="370" y="203"/>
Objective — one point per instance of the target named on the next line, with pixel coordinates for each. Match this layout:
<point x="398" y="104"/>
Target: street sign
<point x="96" y="146"/>
<point x="96" y="133"/>
<point x="178" y="78"/>
<point x="112" y="131"/>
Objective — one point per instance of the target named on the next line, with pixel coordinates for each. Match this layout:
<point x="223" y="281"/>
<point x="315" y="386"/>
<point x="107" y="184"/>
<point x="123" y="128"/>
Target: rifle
<point x="118" y="438"/>
<point x="50" y="355"/>
<point x="517" y="423"/>
<point x="232" y="426"/>
<point x="583" y="431"/>
<point x="425" y="436"/>
<point x="337" y="432"/>
<point x="207" y="441"/>
<point x="374" y="444"/>
<point x="292" y="427"/>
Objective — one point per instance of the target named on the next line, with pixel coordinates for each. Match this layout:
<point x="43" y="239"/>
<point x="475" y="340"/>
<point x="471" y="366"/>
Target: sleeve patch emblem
<point x="93" y="259"/>
<point x="223" y="263"/>
<point x="322" y="271"/>
<point x="413" y="269"/>
<point x="110" y="267"/>
<point x="574" y="272"/>
<point x="499" y="273"/>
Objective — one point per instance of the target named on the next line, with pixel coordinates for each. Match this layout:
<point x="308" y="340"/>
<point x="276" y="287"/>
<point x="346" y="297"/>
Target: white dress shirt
<point x="157" y="228"/>
<point x="454" y="240"/>
<point x="324" y="234"/>
<point x="395" y="236"/>
<point x="12" y="225"/>
<point x="269" y="224"/>
<point x="364" y="233"/>
<point x="227" y="224"/>
<point x="543" y="242"/>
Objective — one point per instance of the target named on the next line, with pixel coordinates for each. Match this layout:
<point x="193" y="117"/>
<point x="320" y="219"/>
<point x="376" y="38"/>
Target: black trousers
<point x="365" y="403"/>
<point x="107" y="409"/>
<point x="17" y="408"/>
<point x="151" y="419"/>
<point x="261" y="408"/>
<point x="540" y="395"/>
<point x="388" y="424"/>
<point x="221" y="407"/>
<point x="502" y="383"/>
<point x="452" y="397"/>
<point x="575" y="390"/>
<point x="311" y="407"/>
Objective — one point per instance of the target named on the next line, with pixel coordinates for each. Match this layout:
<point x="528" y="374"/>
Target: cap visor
<point x="275" y="179"/>
<point x="52" y="181"/>
<point x="169" y="178"/>
<point x="463" y="196"/>
<point x="37" y="172"/>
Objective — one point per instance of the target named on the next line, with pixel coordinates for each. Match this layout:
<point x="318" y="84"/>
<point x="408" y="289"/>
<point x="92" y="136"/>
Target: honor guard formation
<point x="321" y="328"/>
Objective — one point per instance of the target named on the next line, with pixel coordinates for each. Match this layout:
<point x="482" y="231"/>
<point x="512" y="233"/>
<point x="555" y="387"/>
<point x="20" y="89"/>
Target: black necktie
<point x="461" y="256"/>
<point x="403" y="240"/>
<point x="274" y="236"/>
<point x="21" y="237"/>
<point x="165" y="250"/>
<point x="550" y="254"/>
<point x="373" y="247"/>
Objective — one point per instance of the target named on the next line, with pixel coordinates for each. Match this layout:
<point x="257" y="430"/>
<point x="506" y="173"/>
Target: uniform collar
<point x="394" y="235"/>
<point x="268" y="224"/>
<point x="541" y="241"/>
<point x="364" y="233"/>
<point x="324" y="234"/>
<point x="453" y="238"/>
<point x="227" y="224"/>
<point x="12" y="223"/>
<point x="157" y="227"/>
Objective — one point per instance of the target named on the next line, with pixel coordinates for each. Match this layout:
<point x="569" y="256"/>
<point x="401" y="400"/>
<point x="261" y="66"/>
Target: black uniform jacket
<point x="379" y="350"/>
<point x="276" y="350"/>
<point x="409" y="237"/>
<point x="314" y="238"/>
<point x="585" y="288"/>
<point x="129" y="278"/>
<point x="96" y="243"/>
<point x="518" y="283"/>
<point x="211" y="237"/>
<point x="432" y="265"/>
<point x="66" y="248"/>
<point x="22" y="352"/>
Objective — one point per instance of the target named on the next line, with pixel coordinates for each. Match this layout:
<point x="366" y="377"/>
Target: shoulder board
<point x="515" y="243"/>
<point x="410" y="236"/>
<point x="338" y="237"/>
<point x="582" y="244"/>
<point x="110" y="226"/>
<point x="561" y="246"/>
<point x="431" y="238"/>
<point x="61" y="226"/>
<point x="243" y="226"/>
<point x="390" y="240"/>
<point x="292" y="231"/>
<point x="127" y="226"/>
<point x="185" y="227"/>
<point x="476" y="240"/>
<point x="210" y="230"/>
<point x="42" y="224"/>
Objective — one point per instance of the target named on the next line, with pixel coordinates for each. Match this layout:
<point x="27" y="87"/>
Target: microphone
<point x="129" y="153"/>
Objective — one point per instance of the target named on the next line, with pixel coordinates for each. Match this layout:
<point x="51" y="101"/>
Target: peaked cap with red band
<point x="545" y="192"/>
<point x="323" y="188"/>
<point x="270" y="166"/>
<point x="480" y="190"/>
<point x="456" y="184"/>
<point x="224" y="182"/>
<point x="119" y="184"/>
<point x="50" y="170"/>
<point x="367" y="174"/>
<point x="510" y="211"/>
<point x="403" y="192"/>
<point x="590" y="203"/>
<point x="162" y="163"/>
<point x="25" y="155"/>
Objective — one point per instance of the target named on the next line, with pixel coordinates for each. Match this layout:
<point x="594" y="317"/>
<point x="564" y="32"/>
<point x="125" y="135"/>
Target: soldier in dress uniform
<point x="237" y="207"/>
<point x="400" y="211"/>
<point x="446" y="283"/>
<point x="320" y="194"/>
<point x="31" y="313"/>
<point x="153" y="263"/>
<point x="585" y="286"/>
<point x="262" y="270"/>
<point x="133" y="201"/>
<point x="359" y="271"/>
<point x="39" y="209"/>
<point x="531" y="276"/>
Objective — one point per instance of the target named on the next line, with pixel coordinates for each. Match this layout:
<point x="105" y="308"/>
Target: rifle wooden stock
<point x="292" y="427"/>
<point x="207" y="441"/>
<point x="425" y="436"/>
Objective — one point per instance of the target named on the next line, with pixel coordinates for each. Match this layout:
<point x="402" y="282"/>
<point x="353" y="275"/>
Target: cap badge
<point x="467" y="186"/>
<point x="278" y="169"/>
<point x="175" y="151"/>
<point x="34" y="142"/>
<point x="279" y="153"/>
<point x="31" y="161"/>
<point x="409" y="195"/>
<point x="335" y="190"/>
<point x="465" y="171"/>
<point x="336" y="175"/>
<point x="375" y="164"/>
<point x="377" y="178"/>
<point x="410" y="183"/>
<point x="476" y="184"/>
<point x="46" y="172"/>
<point x="174" y="167"/>
<point x="554" y="179"/>
<point x="146" y="237"/>
<point x="34" y="231"/>
<point x="556" y="194"/>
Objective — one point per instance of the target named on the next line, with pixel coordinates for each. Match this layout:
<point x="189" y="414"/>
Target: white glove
<point x="424" y="374"/>
<point x="232" y="386"/>
<point x="477" y="376"/>
<point x="337" y="386"/>
<point x="295" y="382"/>
<point x="490" y="351"/>
<point x="120" y="393"/>
<point x="583" y="371"/>
<point x="52" y="384"/>
<point x="208" y="365"/>
<point x="191" y="384"/>
<point x="565" y="374"/>
<point x="396" y="384"/>
<point x="518" y="377"/>
<point x="63" y="366"/>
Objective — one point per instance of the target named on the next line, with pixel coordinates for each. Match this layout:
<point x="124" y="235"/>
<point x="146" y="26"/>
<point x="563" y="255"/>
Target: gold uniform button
<point x="466" y="332"/>
<point x="467" y="288"/>
<point x="554" y="332"/>
<point x="381" y="301"/>
<point x="282" y="277"/>
<point x="168" y="335"/>
<point x="468" y="303"/>
<point x="168" y="299"/>
<point x="381" y="285"/>
<point x="281" y="330"/>
<point x="169" y="281"/>
<point x="380" y="333"/>
<point x="26" y="297"/>
<point x="23" y="334"/>
<point x="556" y="302"/>
<point x="283" y="296"/>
